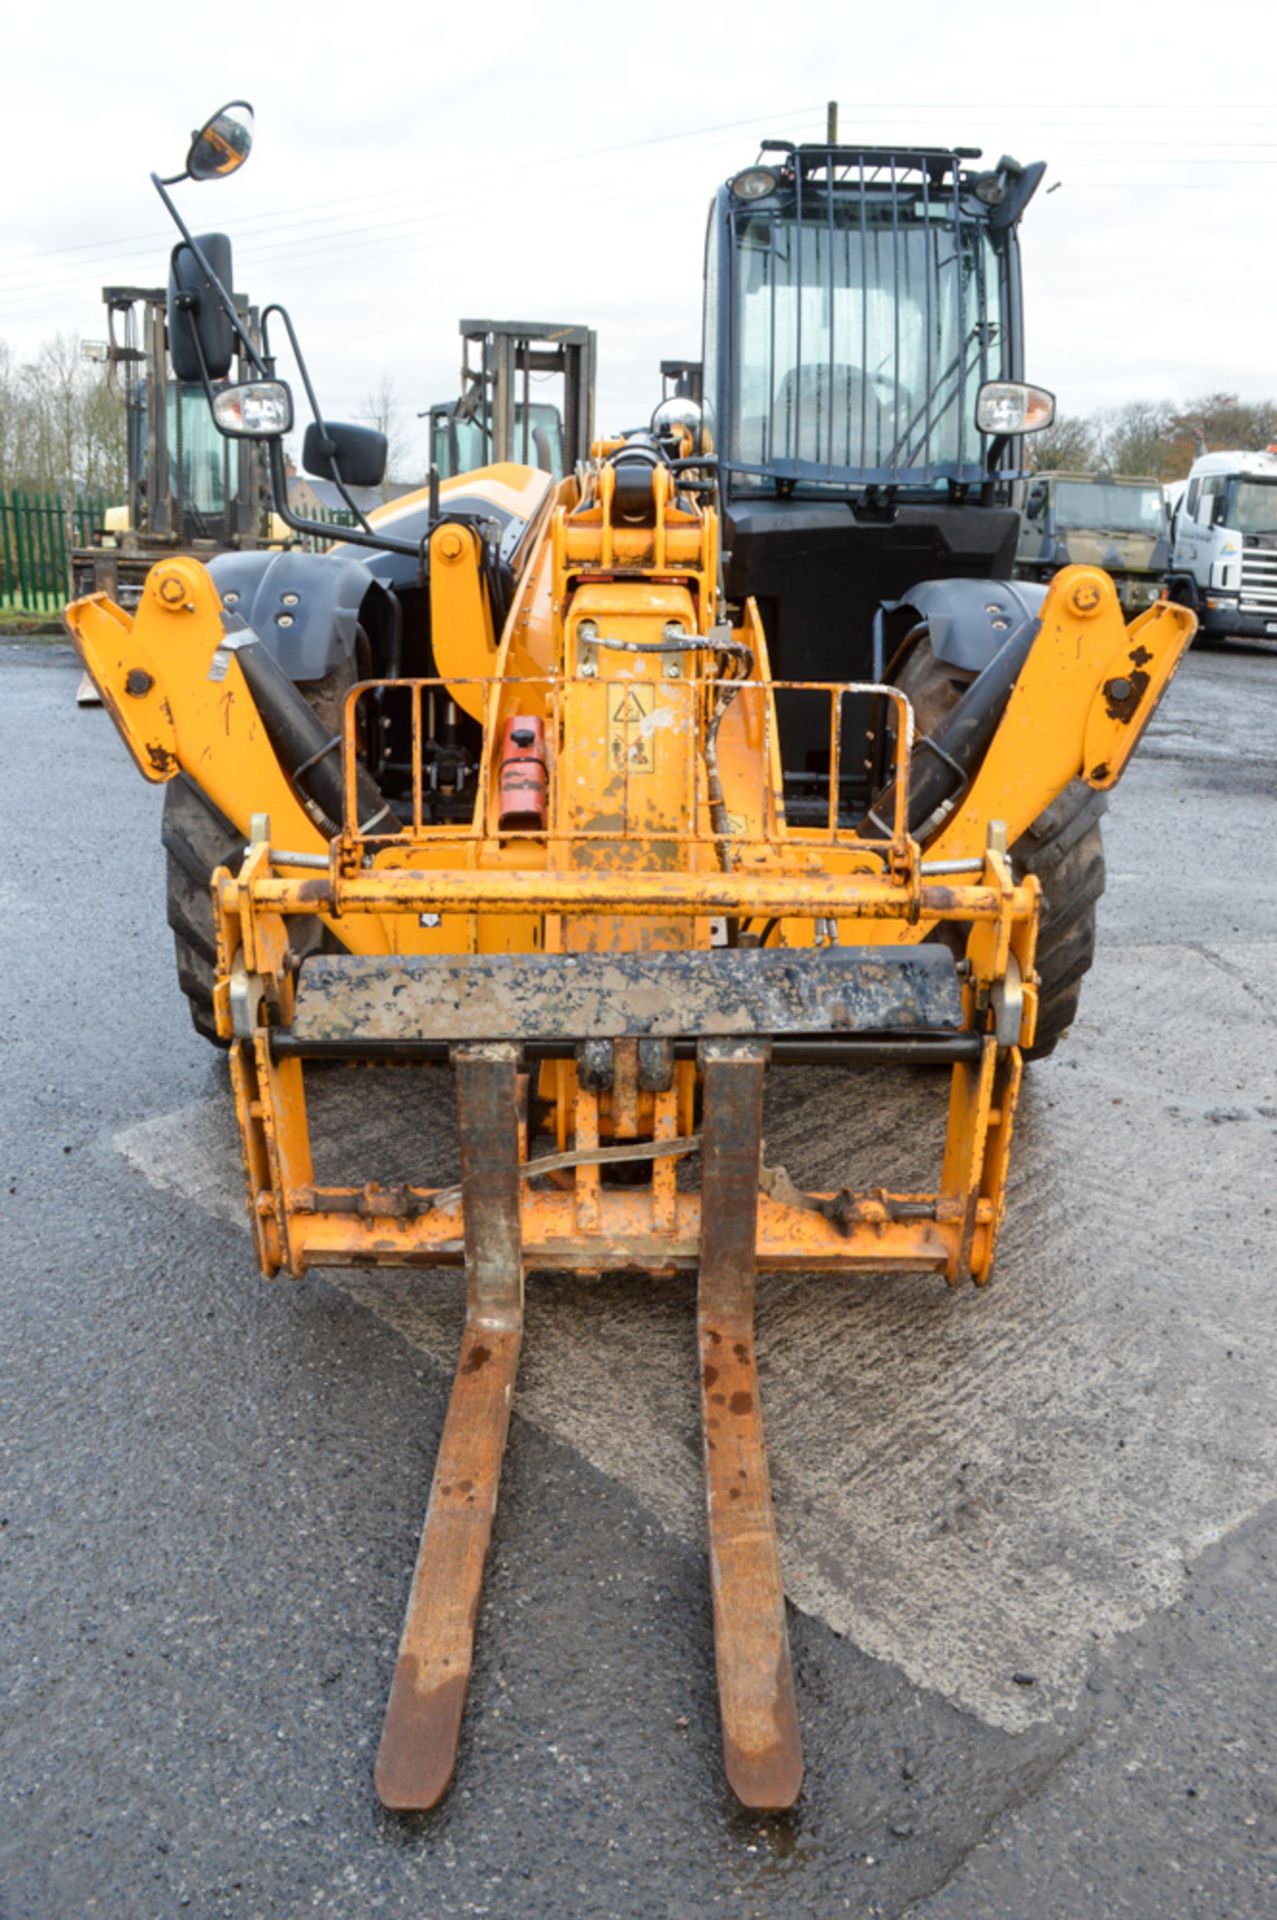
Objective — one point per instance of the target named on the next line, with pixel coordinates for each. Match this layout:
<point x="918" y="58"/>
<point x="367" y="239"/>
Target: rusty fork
<point x="761" y="1749"/>
<point x="427" y="1697"/>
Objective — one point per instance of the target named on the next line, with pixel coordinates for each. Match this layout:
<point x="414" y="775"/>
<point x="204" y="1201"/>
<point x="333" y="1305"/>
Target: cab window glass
<point x="1253" y="508"/>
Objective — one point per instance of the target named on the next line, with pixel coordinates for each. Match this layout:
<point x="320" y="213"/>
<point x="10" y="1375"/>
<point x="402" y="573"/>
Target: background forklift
<point x="190" y="490"/>
<point x="496" y="417"/>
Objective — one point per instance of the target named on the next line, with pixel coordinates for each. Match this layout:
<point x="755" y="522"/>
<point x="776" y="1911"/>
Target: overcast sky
<point x="415" y="163"/>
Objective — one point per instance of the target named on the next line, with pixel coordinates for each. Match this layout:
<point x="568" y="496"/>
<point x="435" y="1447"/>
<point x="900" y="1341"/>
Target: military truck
<point x="1114" y="521"/>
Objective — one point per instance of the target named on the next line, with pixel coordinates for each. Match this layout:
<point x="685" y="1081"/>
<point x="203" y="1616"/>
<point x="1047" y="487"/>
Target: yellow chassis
<point x="635" y="864"/>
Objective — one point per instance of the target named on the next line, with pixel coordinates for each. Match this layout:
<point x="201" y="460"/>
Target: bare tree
<point x="1136" y="439"/>
<point x="61" y="428"/>
<point x="1219" y="421"/>
<point x="10" y="414"/>
<point x="381" y="409"/>
<point x="1069" y="443"/>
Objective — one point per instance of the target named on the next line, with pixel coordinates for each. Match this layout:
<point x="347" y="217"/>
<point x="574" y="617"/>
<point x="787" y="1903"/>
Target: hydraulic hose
<point x="308" y="753"/>
<point x="943" y="763"/>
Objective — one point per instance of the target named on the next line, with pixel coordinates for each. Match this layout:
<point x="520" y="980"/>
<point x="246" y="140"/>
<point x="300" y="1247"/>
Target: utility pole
<point x="831" y="124"/>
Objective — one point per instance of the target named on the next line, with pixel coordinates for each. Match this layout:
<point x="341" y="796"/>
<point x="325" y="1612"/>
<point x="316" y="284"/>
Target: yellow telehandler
<point x="736" y="744"/>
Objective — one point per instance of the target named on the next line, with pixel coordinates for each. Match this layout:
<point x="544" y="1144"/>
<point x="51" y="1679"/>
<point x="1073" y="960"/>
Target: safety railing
<point x="633" y="718"/>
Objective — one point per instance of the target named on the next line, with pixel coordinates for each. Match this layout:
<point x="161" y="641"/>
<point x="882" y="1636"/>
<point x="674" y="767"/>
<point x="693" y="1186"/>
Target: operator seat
<point x="822" y="410"/>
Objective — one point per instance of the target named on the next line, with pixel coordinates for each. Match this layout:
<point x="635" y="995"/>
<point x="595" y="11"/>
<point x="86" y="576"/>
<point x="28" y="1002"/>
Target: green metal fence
<point x="37" y="533"/>
<point x="330" y="518"/>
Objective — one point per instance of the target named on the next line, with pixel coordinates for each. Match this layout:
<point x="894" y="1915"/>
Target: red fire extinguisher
<point x="522" y="779"/>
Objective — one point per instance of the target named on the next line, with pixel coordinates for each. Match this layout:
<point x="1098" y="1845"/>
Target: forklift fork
<point x="428" y="1694"/>
<point x="761" y="1749"/>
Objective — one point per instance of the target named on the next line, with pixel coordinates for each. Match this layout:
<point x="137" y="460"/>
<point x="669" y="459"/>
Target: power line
<point x="276" y="221"/>
<point x="547" y="160"/>
<point x="336" y="242"/>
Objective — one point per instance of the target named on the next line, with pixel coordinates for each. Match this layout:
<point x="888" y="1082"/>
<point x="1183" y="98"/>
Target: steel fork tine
<point x="427" y="1697"/>
<point x="762" y="1749"/>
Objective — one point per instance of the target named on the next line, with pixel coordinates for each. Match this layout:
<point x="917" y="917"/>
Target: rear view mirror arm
<point x="361" y="536"/>
<point x="312" y="400"/>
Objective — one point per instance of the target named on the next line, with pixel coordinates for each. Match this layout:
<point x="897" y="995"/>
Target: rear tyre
<point x="198" y="838"/>
<point x="1063" y="847"/>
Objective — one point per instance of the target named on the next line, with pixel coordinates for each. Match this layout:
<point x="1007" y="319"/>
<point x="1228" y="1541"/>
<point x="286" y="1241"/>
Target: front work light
<point x="755" y="183"/>
<point x="254" y="410"/>
<point x="1008" y="406"/>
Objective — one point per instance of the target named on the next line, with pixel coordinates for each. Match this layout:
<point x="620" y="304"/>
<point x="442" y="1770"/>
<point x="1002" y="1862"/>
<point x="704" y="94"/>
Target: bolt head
<point x="138" y="682"/>
<point x="1086" y="597"/>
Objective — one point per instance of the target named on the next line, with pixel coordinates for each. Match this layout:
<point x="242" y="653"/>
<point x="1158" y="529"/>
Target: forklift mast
<point x="499" y="416"/>
<point x="682" y="380"/>
<point x="185" y="483"/>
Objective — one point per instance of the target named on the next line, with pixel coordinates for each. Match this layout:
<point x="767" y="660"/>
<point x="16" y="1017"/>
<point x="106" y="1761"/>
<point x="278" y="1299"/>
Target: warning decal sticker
<point x="629" y="744"/>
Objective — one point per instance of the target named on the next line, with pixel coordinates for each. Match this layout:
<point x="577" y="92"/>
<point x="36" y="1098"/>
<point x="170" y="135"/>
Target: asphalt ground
<point x="1028" y="1534"/>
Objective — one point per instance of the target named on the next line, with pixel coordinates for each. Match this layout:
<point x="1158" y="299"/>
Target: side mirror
<point x="358" y="453"/>
<point x="1035" y="505"/>
<point x="222" y="144"/>
<point x="1219" y="509"/>
<point x="201" y="339"/>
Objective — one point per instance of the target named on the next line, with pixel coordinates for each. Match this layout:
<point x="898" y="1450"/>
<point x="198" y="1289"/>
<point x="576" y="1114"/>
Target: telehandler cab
<point x="738" y="745"/>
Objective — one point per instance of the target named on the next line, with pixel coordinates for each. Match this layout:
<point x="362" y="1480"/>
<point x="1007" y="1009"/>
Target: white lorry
<point x="1224" y="544"/>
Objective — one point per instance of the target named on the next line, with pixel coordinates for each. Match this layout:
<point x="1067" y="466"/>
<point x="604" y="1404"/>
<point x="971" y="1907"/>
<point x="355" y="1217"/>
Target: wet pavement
<point x="212" y="1487"/>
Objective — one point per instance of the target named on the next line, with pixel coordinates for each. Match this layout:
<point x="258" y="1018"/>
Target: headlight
<point x="255" y="410"/>
<point x="1008" y="406"/>
<point x="755" y="183"/>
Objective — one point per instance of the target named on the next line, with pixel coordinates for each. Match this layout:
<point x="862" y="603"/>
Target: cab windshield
<point x="1103" y="506"/>
<point x="199" y="456"/>
<point x="1252" y="506"/>
<point x="861" y="337"/>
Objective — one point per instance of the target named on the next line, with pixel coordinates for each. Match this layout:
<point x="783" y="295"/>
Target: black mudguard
<point x="307" y="609"/>
<point x="968" y="621"/>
